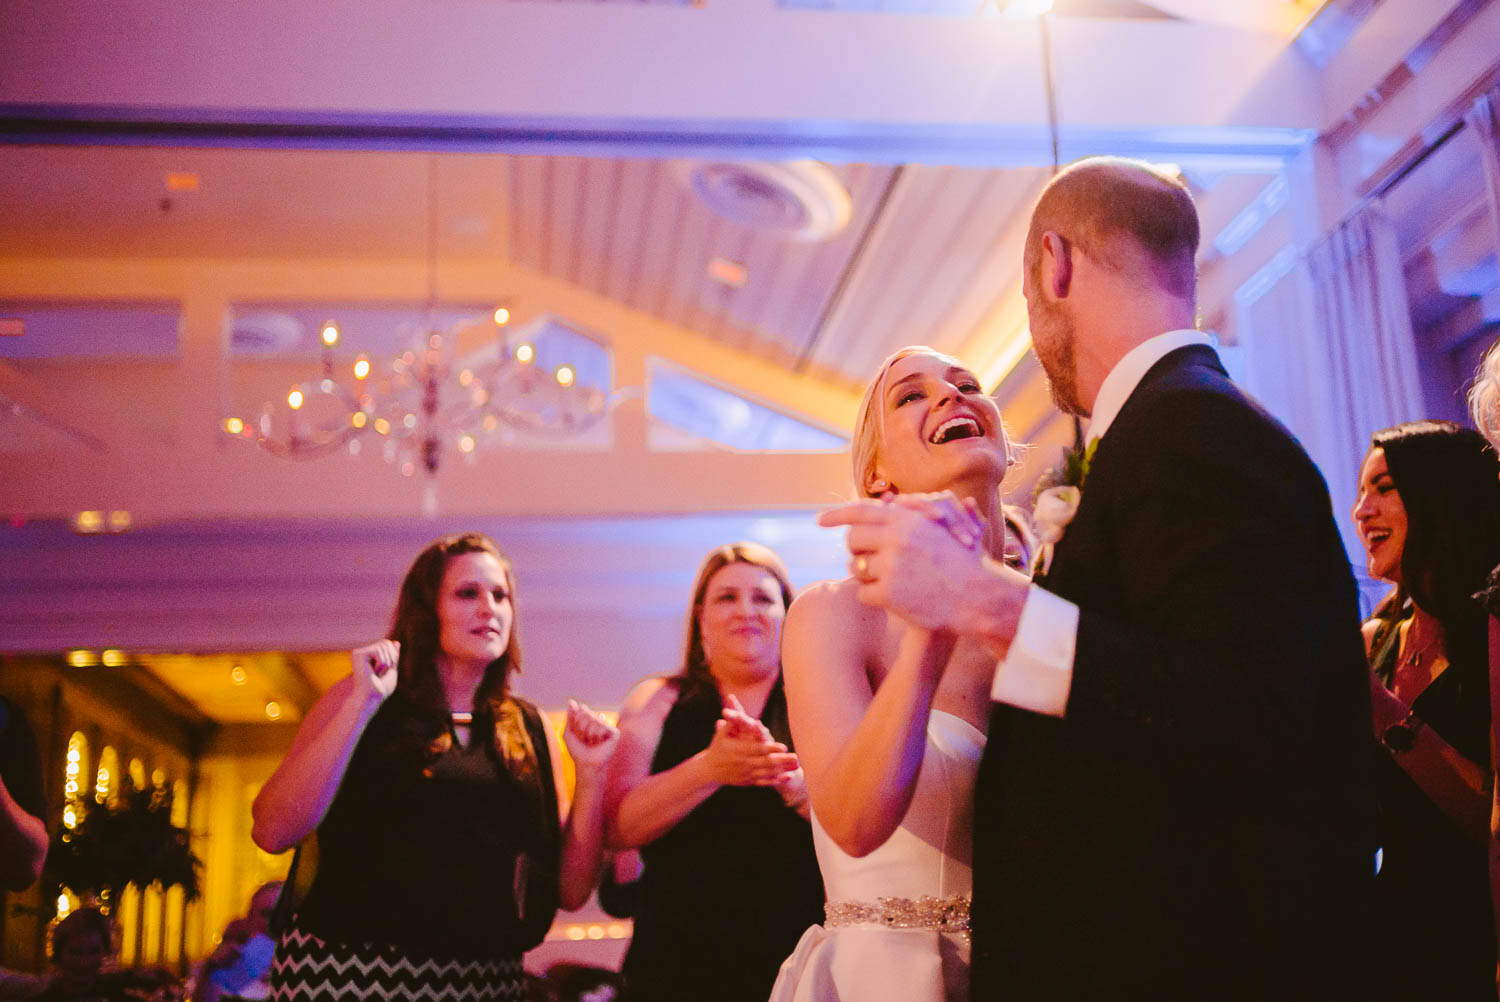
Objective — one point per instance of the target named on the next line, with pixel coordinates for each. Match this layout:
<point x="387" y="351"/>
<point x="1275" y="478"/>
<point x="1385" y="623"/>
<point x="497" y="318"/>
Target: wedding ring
<point x="862" y="567"/>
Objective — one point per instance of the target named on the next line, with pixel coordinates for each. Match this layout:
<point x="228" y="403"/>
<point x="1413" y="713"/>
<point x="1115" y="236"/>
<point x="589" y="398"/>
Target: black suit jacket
<point x="1199" y="824"/>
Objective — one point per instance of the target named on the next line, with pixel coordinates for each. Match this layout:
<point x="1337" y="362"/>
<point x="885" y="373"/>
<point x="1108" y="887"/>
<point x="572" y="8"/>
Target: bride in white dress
<point x="889" y="718"/>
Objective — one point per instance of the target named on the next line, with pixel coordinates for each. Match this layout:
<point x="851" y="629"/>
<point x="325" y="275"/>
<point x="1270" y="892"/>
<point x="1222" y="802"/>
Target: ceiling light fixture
<point x="453" y="388"/>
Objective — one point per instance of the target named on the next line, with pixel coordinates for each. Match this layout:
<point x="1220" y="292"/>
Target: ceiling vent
<point x="797" y="200"/>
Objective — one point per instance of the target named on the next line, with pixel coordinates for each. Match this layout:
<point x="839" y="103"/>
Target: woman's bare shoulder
<point x="650" y="697"/>
<point x="834" y="600"/>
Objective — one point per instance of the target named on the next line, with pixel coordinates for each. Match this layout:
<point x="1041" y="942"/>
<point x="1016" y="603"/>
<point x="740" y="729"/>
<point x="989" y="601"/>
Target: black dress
<point x="727" y="892"/>
<point x="1434" y="922"/>
<point x="437" y="867"/>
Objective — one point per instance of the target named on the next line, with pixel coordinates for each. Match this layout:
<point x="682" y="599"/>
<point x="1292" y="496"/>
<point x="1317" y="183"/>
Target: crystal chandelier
<point x="460" y="386"/>
<point x="457" y="389"/>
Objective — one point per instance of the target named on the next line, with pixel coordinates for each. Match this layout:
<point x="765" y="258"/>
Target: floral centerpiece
<point x="130" y="840"/>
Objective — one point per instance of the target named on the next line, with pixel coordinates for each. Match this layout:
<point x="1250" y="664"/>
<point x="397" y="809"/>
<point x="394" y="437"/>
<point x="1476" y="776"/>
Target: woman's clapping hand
<point x="742" y="752"/>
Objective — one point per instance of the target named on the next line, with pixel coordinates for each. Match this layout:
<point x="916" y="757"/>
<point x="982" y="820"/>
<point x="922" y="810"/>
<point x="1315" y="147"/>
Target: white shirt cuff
<point x="1037" y="672"/>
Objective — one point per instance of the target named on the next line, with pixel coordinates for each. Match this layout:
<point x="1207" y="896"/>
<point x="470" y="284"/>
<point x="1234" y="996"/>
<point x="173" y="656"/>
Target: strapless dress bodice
<point x="898" y="916"/>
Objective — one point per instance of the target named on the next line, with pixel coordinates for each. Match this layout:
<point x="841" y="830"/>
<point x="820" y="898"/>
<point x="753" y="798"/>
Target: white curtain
<point x="1484" y="119"/>
<point x="1328" y="348"/>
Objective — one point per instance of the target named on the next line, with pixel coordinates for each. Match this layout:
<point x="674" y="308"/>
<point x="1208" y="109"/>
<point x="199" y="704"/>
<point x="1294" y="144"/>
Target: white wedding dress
<point x="897" y="925"/>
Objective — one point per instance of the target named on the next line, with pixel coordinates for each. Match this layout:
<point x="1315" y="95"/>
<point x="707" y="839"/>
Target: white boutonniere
<point x="1058" y="496"/>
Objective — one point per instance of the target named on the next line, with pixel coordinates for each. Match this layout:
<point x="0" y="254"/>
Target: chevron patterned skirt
<point x="308" y="969"/>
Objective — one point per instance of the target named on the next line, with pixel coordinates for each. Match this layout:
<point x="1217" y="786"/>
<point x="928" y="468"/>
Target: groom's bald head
<point x="1125" y="214"/>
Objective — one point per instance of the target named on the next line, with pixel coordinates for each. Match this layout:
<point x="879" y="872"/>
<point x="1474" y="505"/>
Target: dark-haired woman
<point x="705" y="783"/>
<point x="1429" y="517"/>
<point x="445" y="840"/>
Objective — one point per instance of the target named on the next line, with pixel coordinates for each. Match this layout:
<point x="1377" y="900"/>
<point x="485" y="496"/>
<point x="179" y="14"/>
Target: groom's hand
<point x="921" y="558"/>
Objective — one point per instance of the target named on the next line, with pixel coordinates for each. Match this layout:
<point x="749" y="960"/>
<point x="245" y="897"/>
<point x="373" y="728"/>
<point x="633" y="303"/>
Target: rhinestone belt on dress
<point x="926" y="912"/>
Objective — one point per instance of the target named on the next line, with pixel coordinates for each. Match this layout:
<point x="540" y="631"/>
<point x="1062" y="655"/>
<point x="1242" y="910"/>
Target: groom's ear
<point x="1057" y="265"/>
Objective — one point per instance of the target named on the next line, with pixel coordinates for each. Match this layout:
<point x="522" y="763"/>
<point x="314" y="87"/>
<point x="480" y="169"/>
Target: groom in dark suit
<point x="1175" y="799"/>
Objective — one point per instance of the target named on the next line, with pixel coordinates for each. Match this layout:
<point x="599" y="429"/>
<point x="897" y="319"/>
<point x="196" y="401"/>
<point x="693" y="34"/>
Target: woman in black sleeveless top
<point x="705" y="782"/>
<point x="1429" y="516"/>
<point x="441" y="849"/>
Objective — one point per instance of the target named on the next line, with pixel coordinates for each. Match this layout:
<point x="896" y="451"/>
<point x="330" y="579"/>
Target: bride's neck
<point x="987" y="499"/>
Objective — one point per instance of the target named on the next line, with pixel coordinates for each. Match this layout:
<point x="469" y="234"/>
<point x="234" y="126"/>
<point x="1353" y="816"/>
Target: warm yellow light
<point x="88" y="521"/>
<point x="74" y="755"/>
<point x="113" y="658"/>
<point x="70" y="818"/>
<point x="466" y="377"/>
<point x="359" y="419"/>
<point x="576" y="932"/>
<point x="119" y="521"/>
<point x="361" y="367"/>
<point x="525" y="353"/>
<point x="82" y="659"/>
<point x="502" y="316"/>
<point x="234" y="425"/>
<point x="330" y="333"/>
<point x="466" y="443"/>
<point x="294" y="399"/>
<point x="62" y="905"/>
<point x="596" y="932"/>
<point x="158" y="777"/>
<point x="617" y="930"/>
<point x="273" y="710"/>
<point x="237" y="675"/>
<point x="727" y="272"/>
<point x="382" y="426"/>
<point x="564" y="375"/>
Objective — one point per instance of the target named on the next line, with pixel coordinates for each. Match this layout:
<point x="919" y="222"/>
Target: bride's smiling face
<point x="939" y="429"/>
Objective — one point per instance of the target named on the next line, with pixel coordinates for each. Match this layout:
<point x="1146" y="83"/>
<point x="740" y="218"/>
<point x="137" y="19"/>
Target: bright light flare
<point x="565" y="375"/>
<point x="294" y="400"/>
<point x="330" y="333"/>
<point x="361" y="367"/>
<point x="525" y="353"/>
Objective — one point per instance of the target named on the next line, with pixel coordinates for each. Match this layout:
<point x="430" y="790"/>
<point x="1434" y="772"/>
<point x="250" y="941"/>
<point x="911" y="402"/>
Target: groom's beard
<point x="1057" y="359"/>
